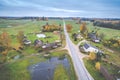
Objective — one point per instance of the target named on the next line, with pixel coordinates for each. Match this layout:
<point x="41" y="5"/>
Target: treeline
<point x="107" y="24"/>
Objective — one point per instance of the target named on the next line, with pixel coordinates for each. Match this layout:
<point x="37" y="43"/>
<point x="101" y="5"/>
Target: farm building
<point x="93" y="37"/>
<point x="88" y="48"/>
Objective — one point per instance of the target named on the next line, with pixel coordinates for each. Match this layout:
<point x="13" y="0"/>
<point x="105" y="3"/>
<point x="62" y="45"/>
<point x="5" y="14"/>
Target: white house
<point x="89" y="48"/>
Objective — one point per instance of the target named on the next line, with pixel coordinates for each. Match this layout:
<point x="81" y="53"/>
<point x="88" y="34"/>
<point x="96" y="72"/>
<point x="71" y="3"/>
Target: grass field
<point x="17" y="69"/>
<point x="109" y="33"/>
<point x="60" y="73"/>
<point x="91" y="69"/>
<point x="29" y="27"/>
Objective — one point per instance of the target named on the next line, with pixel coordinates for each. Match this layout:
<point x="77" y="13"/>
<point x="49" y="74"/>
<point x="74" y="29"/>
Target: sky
<point x="61" y="8"/>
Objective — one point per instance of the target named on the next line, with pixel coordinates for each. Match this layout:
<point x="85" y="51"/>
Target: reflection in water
<point x="45" y="70"/>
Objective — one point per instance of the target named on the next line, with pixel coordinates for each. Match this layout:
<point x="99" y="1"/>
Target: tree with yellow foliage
<point x="5" y="43"/>
<point x="97" y="65"/>
<point x="5" y="39"/>
<point x="20" y="37"/>
<point x="92" y="56"/>
<point x="83" y="28"/>
<point x="69" y="27"/>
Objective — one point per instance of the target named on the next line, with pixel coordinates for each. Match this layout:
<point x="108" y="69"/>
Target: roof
<point x="93" y="36"/>
<point x="37" y="42"/>
<point x="88" y="45"/>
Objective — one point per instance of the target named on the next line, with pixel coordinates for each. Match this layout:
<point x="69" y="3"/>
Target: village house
<point x="88" y="48"/>
<point x="50" y="46"/>
<point x="38" y="43"/>
<point x="26" y="42"/>
<point x="93" y="37"/>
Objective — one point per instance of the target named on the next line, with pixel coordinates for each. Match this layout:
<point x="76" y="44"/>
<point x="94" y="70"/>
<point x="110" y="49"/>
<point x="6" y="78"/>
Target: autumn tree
<point x="69" y="27"/>
<point x="92" y="56"/>
<point x="84" y="30"/>
<point x="97" y="65"/>
<point x="20" y="37"/>
<point x="5" y="42"/>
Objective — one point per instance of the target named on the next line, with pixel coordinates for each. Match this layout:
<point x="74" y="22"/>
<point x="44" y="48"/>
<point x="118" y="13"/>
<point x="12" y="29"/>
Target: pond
<point x="45" y="70"/>
<point x="41" y="35"/>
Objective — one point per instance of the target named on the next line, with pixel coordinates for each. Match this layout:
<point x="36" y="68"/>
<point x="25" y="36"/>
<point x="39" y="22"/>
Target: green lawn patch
<point x="91" y="69"/>
<point x="60" y="73"/>
<point x="17" y="70"/>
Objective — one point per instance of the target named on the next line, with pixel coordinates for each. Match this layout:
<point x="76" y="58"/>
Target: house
<point x="78" y="36"/>
<point x="26" y="42"/>
<point x="58" y="43"/>
<point x="88" y="48"/>
<point x="93" y="37"/>
<point x="38" y="43"/>
<point x="50" y="46"/>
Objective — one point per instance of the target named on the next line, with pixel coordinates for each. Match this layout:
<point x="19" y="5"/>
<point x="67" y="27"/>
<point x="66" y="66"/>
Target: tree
<point x="97" y="65"/>
<point x="92" y="56"/>
<point x="69" y="27"/>
<point x="83" y="28"/>
<point x="5" y="43"/>
<point x="20" y="37"/>
<point x="5" y="40"/>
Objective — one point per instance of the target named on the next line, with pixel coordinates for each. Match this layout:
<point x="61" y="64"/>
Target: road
<point x="80" y="69"/>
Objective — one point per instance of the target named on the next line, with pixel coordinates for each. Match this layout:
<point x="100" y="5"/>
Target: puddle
<point x="45" y="70"/>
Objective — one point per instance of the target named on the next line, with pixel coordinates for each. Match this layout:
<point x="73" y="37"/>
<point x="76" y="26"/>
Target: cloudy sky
<point x="62" y="8"/>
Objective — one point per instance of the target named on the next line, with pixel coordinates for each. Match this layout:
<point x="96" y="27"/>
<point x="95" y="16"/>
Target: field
<point x="30" y="28"/>
<point x="109" y="33"/>
<point x="17" y="69"/>
<point x="91" y="68"/>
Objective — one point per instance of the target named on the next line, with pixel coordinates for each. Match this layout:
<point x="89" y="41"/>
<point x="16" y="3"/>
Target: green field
<point x="109" y="33"/>
<point x="17" y="69"/>
<point x="30" y="29"/>
<point x="91" y="69"/>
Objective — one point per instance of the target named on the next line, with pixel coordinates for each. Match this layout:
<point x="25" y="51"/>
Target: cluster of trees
<point x="39" y="18"/>
<point x="51" y="28"/>
<point x="107" y="24"/>
<point x="5" y="42"/>
<point x="113" y="43"/>
<point x="5" y="45"/>
<point x="95" y="57"/>
<point x="83" y="29"/>
<point x="69" y="27"/>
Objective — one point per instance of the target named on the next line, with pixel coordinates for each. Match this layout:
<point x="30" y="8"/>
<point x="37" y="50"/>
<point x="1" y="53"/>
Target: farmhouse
<point x="88" y="48"/>
<point x="49" y="46"/>
<point x="38" y="43"/>
<point x="27" y="42"/>
<point x="93" y="37"/>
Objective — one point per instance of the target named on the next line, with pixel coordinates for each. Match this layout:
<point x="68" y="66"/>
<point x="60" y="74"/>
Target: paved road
<point x="80" y="69"/>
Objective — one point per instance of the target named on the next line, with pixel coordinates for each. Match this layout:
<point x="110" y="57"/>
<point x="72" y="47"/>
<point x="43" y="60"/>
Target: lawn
<point x="91" y="69"/>
<point x="60" y="73"/>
